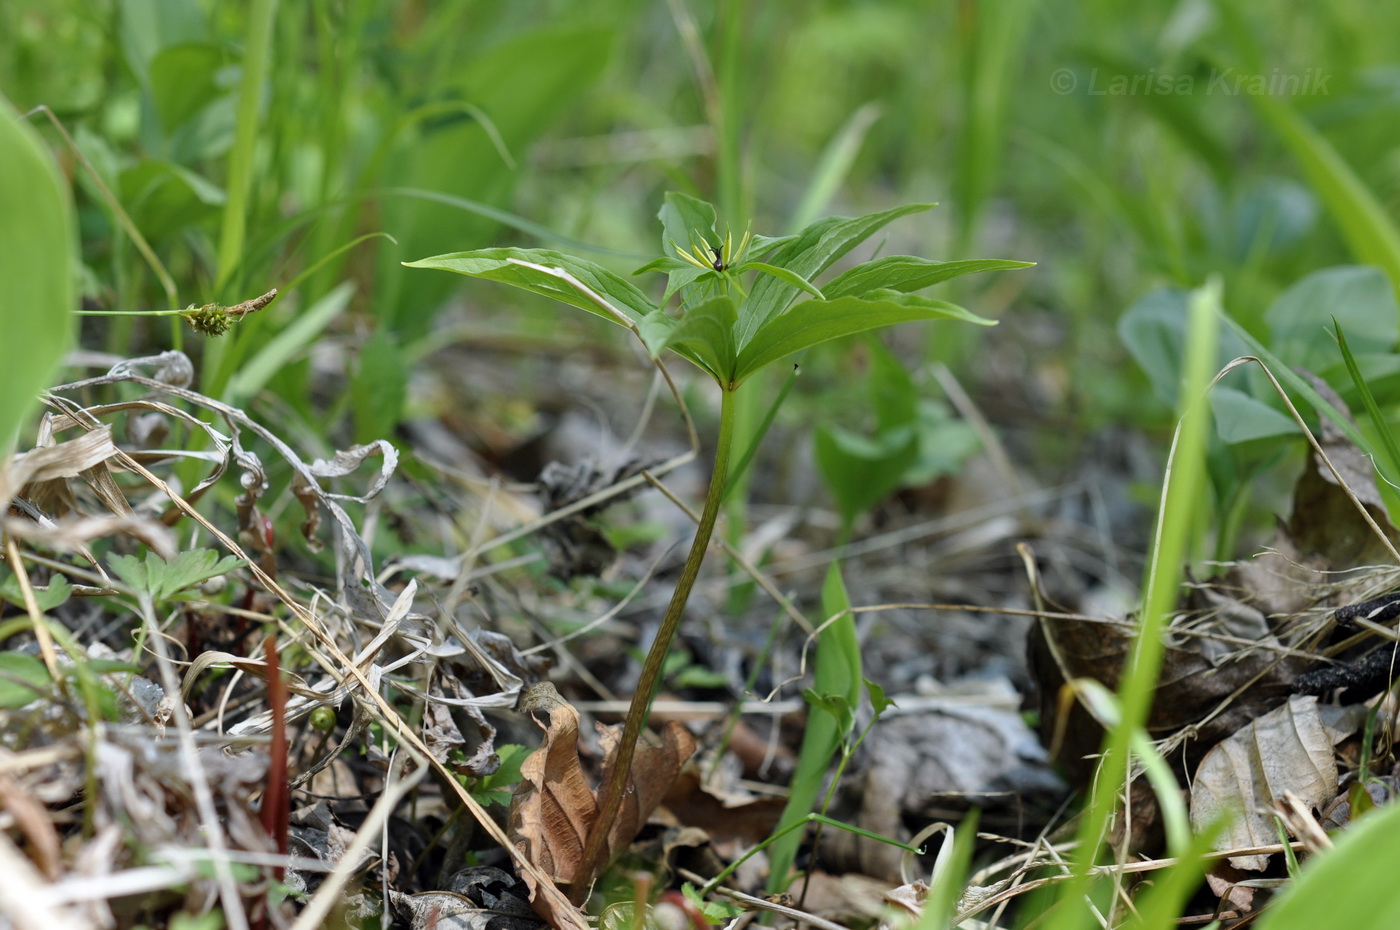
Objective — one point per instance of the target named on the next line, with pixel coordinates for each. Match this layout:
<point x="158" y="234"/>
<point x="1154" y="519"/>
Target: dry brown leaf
<point x="555" y="810"/>
<point x="1325" y="521"/>
<point x="1191" y="687"/>
<point x="1289" y="749"/>
<point x="725" y="818"/>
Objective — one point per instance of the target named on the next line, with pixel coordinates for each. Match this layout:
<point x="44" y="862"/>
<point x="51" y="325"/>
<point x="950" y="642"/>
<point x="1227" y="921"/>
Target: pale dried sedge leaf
<point x="554" y="809"/>
<point x="32" y="818"/>
<point x="62" y="460"/>
<point x="1288" y="749"/>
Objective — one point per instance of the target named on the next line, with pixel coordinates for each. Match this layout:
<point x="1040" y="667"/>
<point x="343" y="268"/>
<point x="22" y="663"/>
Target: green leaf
<point x="760" y="246"/>
<point x="908" y="273"/>
<point x="834" y="704"/>
<point x="184" y="79"/>
<point x="1364" y="220"/>
<point x="860" y="472"/>
<point x="1294" y="382"/>
<point x="22" y="679"/>
<point x="809" y="254"/>
<point x="877" y="697"/>
<point x="37" y="269"/>
<point x="705" y="335"/>
<point x="838" y="672"/>
<point x="1344" y="886"/>
<point x="782" y="274"/>
<point x="502" y="265"/>
<point x="716" y="912"/>
<point x="893" y="395"/>
<point x="1154" y="331"/>
<point x="55" y="593"/>
<point x="684" y="277"/>
<point x="686" y="221"/>
<point x="665" y="264"/>
<point x="1368" y="399"/>
<point x="817" y="321"/>
<point x="380" y="387"/>
<point x="496" y="788"/>
<point x="1360" y="297"/>
<point x="161" y="579"/>
<point x="164" y="198"/>
<point x="1241" y="418"/>
<point x="525" y="83"/>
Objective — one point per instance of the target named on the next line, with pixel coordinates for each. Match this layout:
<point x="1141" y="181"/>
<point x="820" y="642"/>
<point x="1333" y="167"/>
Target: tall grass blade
<point x="1373" y="410"/>
<point x="1177" y="512"/>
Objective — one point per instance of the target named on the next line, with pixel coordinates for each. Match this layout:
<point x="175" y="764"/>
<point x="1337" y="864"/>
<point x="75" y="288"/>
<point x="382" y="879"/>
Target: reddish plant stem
<point x="596" y="852"/>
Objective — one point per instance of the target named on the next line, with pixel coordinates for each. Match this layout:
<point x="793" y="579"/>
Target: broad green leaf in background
<point x="523" y="84"/>
<point x="1154" y="330"/>
<point x="1241" y="418"/>
<point x="818" y="321"/>
<point x="1360" y="297"/>
<point x="184" y="79"/>
<point x="1364" y="221"/>
<point x="378" y="391"/>
<point x="37" y="296"/>
<point x="893" y="395"/>
<point x="56" y="592"/>
<point x="861" y="471"/>
<point x="164" y="198"/>
<point x="1349" y="885"/>
<point x="914" y="441"/>
<point x="22" y="679"/>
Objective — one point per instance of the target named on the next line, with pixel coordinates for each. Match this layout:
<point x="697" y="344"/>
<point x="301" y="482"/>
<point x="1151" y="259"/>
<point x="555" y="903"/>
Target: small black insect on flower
<point x="719" y="263"/>
<point x="722" y="257"/>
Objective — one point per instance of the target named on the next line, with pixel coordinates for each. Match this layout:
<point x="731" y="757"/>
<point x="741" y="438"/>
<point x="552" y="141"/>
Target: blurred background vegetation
<point x="312" y="146"/>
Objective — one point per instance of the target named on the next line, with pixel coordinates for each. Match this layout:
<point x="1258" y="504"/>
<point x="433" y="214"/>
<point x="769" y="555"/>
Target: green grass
<point x="222" y="150"/>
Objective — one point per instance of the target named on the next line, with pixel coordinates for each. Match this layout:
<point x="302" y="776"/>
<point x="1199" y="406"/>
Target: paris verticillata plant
<point x="744" y="303"/>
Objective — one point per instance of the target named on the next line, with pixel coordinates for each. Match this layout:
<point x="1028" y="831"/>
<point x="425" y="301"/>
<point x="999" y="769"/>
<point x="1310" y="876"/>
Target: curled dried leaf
<point x="555" y="809"/>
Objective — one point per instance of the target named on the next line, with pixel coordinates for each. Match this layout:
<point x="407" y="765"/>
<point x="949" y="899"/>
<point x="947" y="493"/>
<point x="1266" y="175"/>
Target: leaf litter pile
<point x="371" y="689"/>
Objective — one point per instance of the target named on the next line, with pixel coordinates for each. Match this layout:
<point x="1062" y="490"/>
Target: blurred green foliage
<point x="1125" y="148"/>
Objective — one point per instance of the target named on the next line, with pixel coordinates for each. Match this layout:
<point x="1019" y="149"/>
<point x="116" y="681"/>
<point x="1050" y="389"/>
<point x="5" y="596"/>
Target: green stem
<point x="610" y="793"/>
<point x="820" y="819"/>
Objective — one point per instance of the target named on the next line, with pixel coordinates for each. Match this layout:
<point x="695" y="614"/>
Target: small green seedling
<point x="741" y="309"/>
